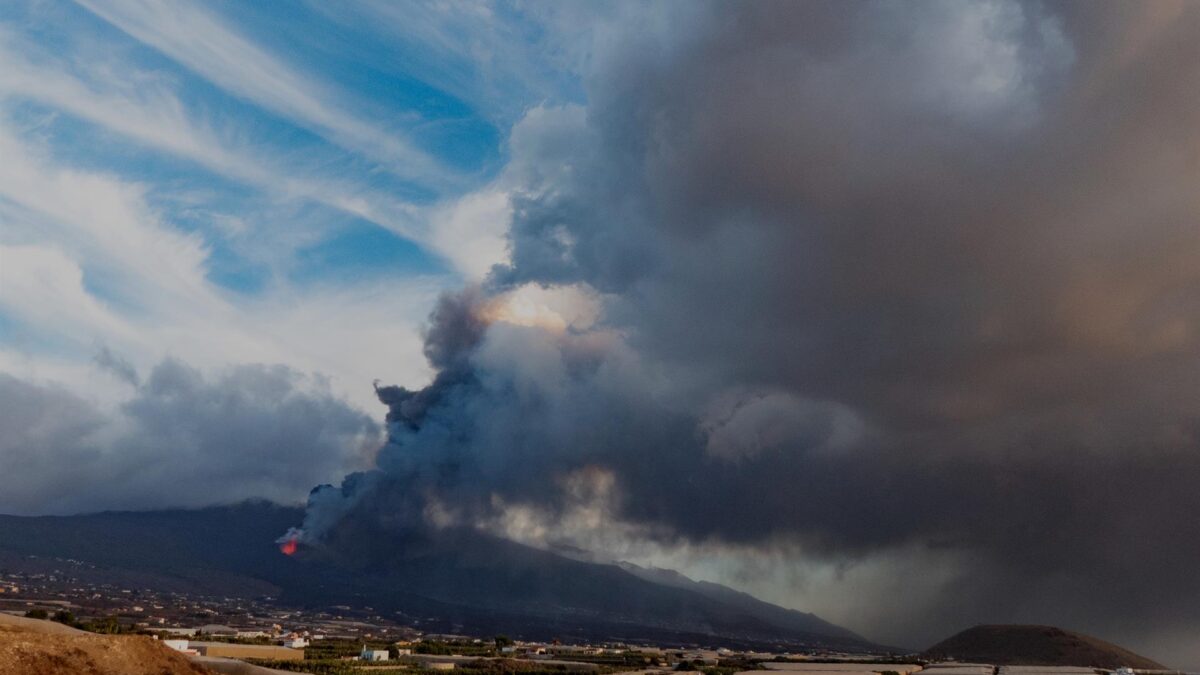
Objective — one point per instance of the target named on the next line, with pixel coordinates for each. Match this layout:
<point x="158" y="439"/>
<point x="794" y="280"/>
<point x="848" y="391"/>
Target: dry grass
<point x="32" y="647"/>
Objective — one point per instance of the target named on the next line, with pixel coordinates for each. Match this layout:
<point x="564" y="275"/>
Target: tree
<point x="503" y="641"/>
<point x="37" y="614"/>
<point x="65" y="617"/>
<point x="108" y="625"/>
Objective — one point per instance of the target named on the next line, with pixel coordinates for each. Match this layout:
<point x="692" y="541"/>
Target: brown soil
<point x="1035" y="646"/>
<point x="31" y="647"/>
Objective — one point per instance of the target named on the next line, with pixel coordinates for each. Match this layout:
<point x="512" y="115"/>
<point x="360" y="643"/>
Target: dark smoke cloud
<point x="183" y="439"/>
<point x="874" y="276"/>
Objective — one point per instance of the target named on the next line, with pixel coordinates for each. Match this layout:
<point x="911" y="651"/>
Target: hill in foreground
<point x="1035" y="646"/>
<point x="29" y="646"/>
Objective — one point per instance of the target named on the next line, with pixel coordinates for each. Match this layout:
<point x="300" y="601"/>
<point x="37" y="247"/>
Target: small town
<point x="259" y="630"/>
<point x="228" y="633"/>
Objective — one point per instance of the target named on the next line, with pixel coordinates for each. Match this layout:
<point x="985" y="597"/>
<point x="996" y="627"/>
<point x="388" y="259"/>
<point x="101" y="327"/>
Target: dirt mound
<point x="31" y="647"/>
<point x="1035" y="646"/>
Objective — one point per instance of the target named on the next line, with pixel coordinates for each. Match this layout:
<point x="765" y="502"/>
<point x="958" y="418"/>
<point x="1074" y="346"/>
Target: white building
<point x="373" y="655"/>
<point x="180" y="646"/>
<point x="295" y="643"/>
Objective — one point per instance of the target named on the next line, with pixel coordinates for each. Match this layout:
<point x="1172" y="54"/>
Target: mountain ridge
<point x="465" y="577"/>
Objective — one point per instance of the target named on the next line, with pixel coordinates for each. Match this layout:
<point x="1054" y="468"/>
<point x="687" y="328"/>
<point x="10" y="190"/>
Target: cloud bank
<point x="183" y="439"/>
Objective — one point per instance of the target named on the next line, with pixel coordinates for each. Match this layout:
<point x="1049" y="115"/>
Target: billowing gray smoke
<point x="873" y="276"/>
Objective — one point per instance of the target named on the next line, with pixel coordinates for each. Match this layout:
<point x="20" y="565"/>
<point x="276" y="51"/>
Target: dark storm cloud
<point x="875" y="275"/>
<point x="181" y="440"/>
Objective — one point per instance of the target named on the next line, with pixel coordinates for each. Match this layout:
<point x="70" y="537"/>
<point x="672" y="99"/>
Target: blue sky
<point x="196" y="176"/>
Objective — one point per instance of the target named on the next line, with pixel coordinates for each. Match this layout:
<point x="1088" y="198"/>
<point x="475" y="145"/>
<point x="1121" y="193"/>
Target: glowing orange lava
<point x="288" y="547"/>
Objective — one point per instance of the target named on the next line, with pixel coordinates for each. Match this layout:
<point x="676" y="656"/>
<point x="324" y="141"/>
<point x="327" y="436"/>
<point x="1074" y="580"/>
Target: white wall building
<point x="180" y="646"/>
<point x="373" y="655"/>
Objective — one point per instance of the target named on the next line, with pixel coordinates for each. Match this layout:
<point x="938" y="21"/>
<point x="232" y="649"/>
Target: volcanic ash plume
<point x="518" y="400"/>
<point x="900" y="286"/>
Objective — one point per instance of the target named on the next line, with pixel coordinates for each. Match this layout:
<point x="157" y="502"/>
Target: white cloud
<point x="151" y="114"/>
<point x="86" y="263"/>
<point x="470" y="232"/>
<point x="100" y="219"/>
<point x="493" y="58"/>
<point x="202" y="43"/>
<point x="43" y="287"/>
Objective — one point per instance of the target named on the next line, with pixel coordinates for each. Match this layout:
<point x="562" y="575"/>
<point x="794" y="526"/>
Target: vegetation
<point x="734" y="665"/>
<point x="315" y="667"/>
<point x="336" y="648"/>
<point x="233" y="640"/>
<point x="482" y="666"/>
<point x="625" y="661"/>
<point x="108" y="625"/>
<point x="338" y="667"/>
<point x="458" y="648"/>
<point x="508" y="666"/>
<point x="722" y="669"/>
<point x="883" y="658"/>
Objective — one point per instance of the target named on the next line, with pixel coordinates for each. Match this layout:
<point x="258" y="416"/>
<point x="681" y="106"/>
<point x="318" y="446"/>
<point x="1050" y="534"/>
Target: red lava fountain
<point x="288" y="547"/>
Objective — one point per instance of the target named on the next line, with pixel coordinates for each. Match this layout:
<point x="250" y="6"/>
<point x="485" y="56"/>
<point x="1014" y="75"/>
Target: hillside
<point x="788" y="618"/>
<point x="28" y="646"/>
<point x="1035" y="646"/>
<point x="463" y="579"/>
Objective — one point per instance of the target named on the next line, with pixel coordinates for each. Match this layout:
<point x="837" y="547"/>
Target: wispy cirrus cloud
<point x="497" y="56"/>
<point x="204" y="44"/>
<point x="154" y="116"/>
<point x="86" y="262"/>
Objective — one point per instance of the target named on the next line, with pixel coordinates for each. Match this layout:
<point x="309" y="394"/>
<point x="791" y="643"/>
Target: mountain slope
<point x="780" y="616"/>
<point x="1035" y="646"/>
<point x="462" y="577"/>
